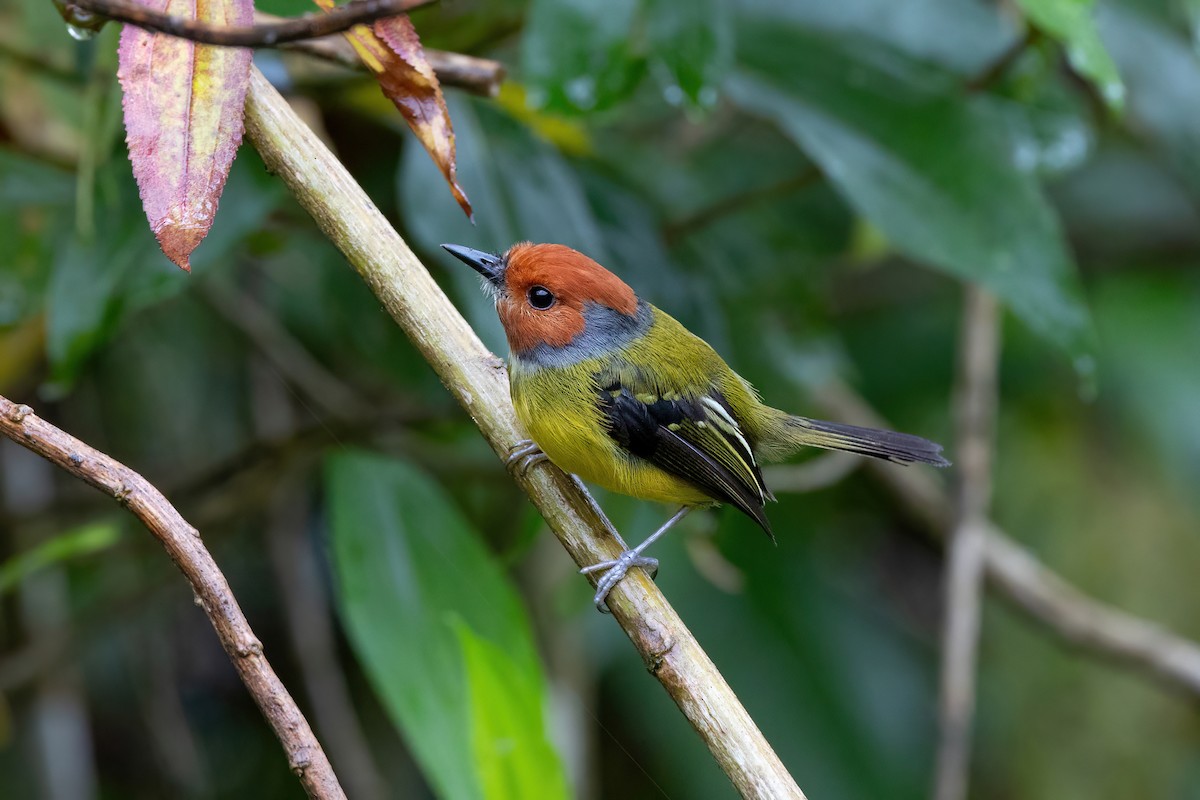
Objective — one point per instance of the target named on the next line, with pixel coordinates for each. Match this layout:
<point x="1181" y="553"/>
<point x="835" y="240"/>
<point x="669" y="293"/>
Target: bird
<point x="617" y="392"/>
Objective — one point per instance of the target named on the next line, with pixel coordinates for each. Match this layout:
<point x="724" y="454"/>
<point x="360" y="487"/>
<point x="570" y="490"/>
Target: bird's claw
<point x="616" y="569"/>
<point x="524" y="455"/>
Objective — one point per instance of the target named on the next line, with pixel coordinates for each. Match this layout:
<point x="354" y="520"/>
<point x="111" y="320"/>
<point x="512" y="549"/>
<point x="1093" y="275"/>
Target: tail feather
<point x="902" y="448"/>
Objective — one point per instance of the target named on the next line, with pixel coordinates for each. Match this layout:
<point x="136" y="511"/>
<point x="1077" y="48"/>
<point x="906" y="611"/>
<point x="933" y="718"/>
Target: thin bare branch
<point x="477" y="379"/>
<point x="185" y="547"/>
<point x="287" y="355"/>
<point x="975" y="414"/>
<point x="1092" y="626"/>
<point x="674" y="231"/>
<point x="310" y="630"/>
<point x="310" y="26"/>
<point x="481" y="76"/>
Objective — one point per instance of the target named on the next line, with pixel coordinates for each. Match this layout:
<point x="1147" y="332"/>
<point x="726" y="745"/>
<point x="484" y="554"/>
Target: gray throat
<point x="604" y="329"/>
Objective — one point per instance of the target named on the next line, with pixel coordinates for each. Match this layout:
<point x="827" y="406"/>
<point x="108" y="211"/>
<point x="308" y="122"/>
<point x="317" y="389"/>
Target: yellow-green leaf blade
<point x="409" y="570"/>
<point x="505" y="707"/>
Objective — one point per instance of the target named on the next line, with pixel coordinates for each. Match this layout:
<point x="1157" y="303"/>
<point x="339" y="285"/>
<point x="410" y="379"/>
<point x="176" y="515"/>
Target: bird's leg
<point x="523" y="455"/>
<point x="619" y="566"/>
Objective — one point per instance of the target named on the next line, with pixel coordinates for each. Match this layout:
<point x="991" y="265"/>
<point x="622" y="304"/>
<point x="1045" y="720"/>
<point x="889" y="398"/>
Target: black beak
<point x="486" y="264"/>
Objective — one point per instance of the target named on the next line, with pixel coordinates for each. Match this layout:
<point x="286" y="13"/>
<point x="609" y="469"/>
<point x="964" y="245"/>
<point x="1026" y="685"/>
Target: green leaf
<point x="1073" y="23"/>
<point x="410" y="571"/>
<point x="1162" y="70"/>
<point x="576" y="54"/>
<point x="505" y="703"/>
<point x="26" y="182"/>
<point x="1150" y="324"/>
<point x="97" y="283"/>
<point x="692" y="47"/>
<point x="962" y="37"/>
<point x="83" y="541"/>
<point x="84" y="305"/>
<point x="931" y="170"/>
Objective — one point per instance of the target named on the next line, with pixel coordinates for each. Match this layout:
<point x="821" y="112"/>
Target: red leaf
<point x="183" y="119"/>
<point x="393" y="52"/>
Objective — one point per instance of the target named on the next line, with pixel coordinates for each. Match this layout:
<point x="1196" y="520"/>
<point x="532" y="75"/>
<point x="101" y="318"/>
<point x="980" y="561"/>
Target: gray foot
<point x="616" y="570"/>
<point x="523" y="455"/>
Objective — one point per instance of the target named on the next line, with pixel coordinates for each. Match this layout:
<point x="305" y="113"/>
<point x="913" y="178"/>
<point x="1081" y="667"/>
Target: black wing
<point x="694" y="438"/>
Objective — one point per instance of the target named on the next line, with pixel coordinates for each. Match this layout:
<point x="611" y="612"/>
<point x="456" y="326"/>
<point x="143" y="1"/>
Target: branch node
<point x="299" y="761"/>
<point x="76" y="459"/>
<point x="123" y="493"/>
<point x="19" y="413"/>
<point x="251" y="648"/>
<point x="659" y="642"/>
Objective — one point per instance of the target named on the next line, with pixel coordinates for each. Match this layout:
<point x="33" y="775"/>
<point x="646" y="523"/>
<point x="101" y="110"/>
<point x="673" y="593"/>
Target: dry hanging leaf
<point x="183" y="119"/>
<point x="392" y="50"/>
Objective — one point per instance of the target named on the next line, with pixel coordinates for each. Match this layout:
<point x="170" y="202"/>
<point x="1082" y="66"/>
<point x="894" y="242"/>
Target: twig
<point x="975" y="412"/>
<point x="63" y="751"/>
<point x="996" y="69"/>
<point x="310" y="630"/>
<point x="481" y="76"/>
<point x="1019" y="577"/>
<point x="185" y="547"/>
<point x="674" y="231"/>
<point x="286" y="354"/>
<point x="309" y="26"/>
<point x="478" y="381"/>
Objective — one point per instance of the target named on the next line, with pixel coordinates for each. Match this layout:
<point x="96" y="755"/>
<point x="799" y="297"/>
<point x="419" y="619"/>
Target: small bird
<point x="617" y="392"/>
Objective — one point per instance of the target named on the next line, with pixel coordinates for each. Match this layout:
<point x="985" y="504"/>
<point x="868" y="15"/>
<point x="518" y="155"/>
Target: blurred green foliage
<point x="440" y="631"/>
<point x="805" y="184"/>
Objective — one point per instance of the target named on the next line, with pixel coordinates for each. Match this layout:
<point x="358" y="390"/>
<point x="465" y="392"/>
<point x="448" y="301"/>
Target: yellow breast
<point x="558" y="406"/>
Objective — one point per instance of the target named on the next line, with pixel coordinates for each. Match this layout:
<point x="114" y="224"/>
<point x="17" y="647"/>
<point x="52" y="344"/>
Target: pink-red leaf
<point x="183" y="119"/>
<point x="392" y="51"/>
<point x="418" y="95"/>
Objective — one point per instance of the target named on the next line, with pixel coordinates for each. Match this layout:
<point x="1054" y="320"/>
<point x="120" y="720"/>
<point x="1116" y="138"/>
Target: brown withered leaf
<point x="183" y="119"/>
<point x="392" y="51"/>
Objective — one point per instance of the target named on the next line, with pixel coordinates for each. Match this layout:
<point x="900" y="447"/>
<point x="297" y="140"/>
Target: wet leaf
<point x="578" y="56"/>
<point x="692" y="45"/>
<point x="933" y="171"/>
<point x="392" y="51"/>
<point x="1162" y="69"/>
<point x="183" y="120"/>
<point x="1073" y="23"/>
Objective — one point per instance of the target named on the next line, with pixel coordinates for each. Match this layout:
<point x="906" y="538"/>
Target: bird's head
<point x="546" y="293"/>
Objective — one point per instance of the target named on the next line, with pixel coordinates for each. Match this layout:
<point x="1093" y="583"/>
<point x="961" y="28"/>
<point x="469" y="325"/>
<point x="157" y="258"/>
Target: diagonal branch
<point x="185" y="547"/>
<point x="478" y="381"/>
<point x="975" y="416"/>
<point x="273" y="34"/>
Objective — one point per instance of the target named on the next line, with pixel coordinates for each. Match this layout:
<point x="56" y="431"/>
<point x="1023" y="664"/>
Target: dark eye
<point x="540" y="298"/>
